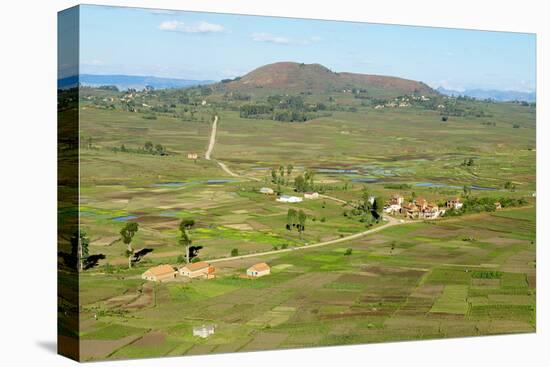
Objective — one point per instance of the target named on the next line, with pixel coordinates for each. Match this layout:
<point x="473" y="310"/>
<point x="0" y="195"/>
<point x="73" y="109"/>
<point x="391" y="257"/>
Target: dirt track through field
<point x="223" y="166"/>
<point x="391" y="222"/>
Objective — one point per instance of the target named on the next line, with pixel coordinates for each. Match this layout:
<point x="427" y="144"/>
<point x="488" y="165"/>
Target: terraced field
<point x="473" y="274"/>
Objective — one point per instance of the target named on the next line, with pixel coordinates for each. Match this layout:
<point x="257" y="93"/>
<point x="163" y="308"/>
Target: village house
<point x="422" y="209"/>
<point x="267" y="190"/>
<point x="289" y="199"/>
<point x="394" y="205"/>
<point x="159" y="273"/>
<point x="200" y="269"/>
<point x="204" y="331"/>
<point x="192" y="156"/>
<point x="411" y="210"/>
<point x="431" y="211"/>
<point x="498" y="205"/>
<point x="258" y="270"/>
<point x="311" y="195"/>
<point x="377" y="107"/>
<point x="455" y="204"/>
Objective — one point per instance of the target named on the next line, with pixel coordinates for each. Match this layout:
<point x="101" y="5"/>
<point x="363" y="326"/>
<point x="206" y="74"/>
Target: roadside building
<point x="203" y="331"/>
<point x="258" y="270"/>
<point x="431" y="211"/>
<point x="192" y="156"/>
<point x="411" y="210"/>
<point x="267" y="190"/>
<point x="394" y="205"/>
<point x="289" y="199"/>
<point x="159" y="273"/>
<point x="200" y="269"/>
<point x="498" y="205"/>
<point x="311" y="195"/>
<point x="455" y="204"/>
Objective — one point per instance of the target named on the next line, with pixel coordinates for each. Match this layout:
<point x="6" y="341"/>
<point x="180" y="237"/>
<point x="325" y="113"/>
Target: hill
<point x="292" y="77"/>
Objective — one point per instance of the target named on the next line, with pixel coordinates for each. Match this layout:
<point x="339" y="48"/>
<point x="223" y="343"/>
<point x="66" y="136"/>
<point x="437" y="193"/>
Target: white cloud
<point x="268" y="37"/>
<point x="199" y="27"/>
<point x="282" y="40"/>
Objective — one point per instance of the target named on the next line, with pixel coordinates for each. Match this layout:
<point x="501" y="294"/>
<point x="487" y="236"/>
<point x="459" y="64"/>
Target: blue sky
<point x="202" y="46"/>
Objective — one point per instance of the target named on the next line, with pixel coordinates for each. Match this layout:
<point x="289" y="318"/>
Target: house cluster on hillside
<point x="419" y="208"/>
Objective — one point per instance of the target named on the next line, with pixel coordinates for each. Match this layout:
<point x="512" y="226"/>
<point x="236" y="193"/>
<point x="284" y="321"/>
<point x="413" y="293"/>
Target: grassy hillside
<point x="315" y="78"/>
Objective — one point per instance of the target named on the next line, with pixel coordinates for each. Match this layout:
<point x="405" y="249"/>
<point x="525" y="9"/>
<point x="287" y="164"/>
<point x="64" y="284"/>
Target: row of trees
<point x="296" y="220"/>
<point x="303" y="183"/>
<point x="80" y="259"/>
<point x="282" y="108"/>
<point x="147" y="148"/>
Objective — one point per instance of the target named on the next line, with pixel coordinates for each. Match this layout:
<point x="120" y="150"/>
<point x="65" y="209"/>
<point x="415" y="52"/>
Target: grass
<point x="316" y="296"/>
<point x="453" y="300"/>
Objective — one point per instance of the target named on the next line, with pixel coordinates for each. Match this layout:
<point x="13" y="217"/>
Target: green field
<point x="412" y="280"/>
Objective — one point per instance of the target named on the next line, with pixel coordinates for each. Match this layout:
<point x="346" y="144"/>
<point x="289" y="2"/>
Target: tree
<point x="185" y="239"/>
<point x="281" y="171"/>
<point x="308" y="177"/>
<point x="235" y="252"/>
<point x="127" y="232"/>
<point x="291" y="217"/>
<point x="300" y="183"/>
<point x="148" y="146"/>
<point x="302" y="217"/>
<point x="160" y="150"/>
<point x="289" y="169"/>
<point x="348" y="251"/>
<point x="79" y="248"/>
<point x="273" y="175"/>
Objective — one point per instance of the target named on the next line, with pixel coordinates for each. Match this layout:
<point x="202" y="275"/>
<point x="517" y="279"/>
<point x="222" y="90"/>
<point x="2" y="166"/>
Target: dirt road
<point x="391" y="222"/>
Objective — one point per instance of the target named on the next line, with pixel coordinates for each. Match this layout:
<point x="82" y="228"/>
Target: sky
<point x="208" y="46"/>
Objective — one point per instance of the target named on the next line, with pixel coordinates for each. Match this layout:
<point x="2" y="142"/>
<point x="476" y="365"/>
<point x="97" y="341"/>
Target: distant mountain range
<point x="496" y="95"/>
<point x="123" y="82"/>
<point x="293" y="77"/>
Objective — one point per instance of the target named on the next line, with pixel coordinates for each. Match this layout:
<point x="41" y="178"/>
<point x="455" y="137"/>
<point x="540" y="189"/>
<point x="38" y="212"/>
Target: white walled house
<point x="311" y="195"/>
<point x="289" y="199"/>
<point x="258" y="270"/>
<point x="267" y="190"/>
<point x="198" y="269"/>
<point x="159" y="273"/>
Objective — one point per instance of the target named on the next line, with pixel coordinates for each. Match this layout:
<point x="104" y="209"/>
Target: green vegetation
<point x="471" y="272"/>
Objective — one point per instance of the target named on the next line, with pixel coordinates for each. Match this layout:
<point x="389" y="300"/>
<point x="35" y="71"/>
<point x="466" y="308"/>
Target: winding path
<point x="212" y="139"/>
<point x="223" y="166"/>
<point x="211" y="145"/>
<point x="391" y="222"/>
